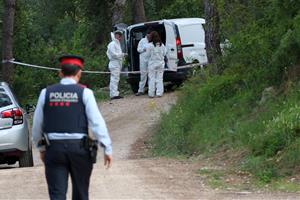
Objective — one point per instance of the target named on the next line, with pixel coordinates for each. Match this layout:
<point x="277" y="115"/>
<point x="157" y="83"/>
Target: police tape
<point x="98" y="72"/>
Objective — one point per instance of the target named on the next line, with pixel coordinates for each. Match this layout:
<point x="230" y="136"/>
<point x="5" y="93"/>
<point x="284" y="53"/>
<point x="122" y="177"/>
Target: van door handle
<point x="172" y="49"/>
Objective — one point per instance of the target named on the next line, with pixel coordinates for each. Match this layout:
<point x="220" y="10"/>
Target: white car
<point x="15" y="144"/>
<point x="184" y="39"/>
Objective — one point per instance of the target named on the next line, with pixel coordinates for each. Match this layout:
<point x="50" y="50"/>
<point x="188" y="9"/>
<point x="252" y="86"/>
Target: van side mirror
<point x="29" y="108"/>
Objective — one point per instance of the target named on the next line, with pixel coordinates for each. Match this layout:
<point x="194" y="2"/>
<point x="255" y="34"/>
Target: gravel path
<point x="129" y="120"/>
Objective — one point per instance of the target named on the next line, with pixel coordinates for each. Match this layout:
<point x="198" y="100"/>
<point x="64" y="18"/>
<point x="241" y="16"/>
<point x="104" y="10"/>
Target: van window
<point x="192" y="34"/>
<point x="4" y="100"/>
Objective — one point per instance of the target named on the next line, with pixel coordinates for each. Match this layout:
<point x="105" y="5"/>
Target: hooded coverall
<point x="156" y="65"/>
<point x="115" y="56"/>
<point x="142" y="47"/>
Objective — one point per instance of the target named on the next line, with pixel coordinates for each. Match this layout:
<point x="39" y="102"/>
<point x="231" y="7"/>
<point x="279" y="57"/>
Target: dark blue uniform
<point x="64" y="113"/>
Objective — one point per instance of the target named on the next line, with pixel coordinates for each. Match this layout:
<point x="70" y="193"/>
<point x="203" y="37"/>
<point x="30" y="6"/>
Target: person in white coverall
<point x="142" y="48"/>
<point x="156" y="63"/>
<point x="115" y="56"/>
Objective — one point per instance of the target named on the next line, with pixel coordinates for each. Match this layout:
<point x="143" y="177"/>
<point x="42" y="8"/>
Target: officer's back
<point x="64" y="113"/>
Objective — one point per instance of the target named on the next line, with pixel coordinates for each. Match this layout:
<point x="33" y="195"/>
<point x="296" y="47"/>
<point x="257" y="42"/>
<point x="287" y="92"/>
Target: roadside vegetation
<point x="253" y="106"/>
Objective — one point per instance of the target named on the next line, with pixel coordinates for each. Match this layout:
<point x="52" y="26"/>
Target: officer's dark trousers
<point x="64" y="157"/>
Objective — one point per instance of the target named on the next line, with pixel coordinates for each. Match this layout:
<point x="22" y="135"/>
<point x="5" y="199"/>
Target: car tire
<point x="26" y="159"/>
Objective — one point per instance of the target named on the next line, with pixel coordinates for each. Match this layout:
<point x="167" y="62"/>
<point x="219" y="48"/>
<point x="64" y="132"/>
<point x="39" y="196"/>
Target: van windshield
<point x="4" y="100"/>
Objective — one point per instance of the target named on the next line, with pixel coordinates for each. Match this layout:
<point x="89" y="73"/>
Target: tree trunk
<point x="212" y="35"/>
<point x="118" y="11"/>
<point x="7" y="42"/>
<point x="138" y="11"/>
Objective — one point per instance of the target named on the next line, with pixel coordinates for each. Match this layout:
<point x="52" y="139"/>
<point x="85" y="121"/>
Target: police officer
<point x="64" y="113"/>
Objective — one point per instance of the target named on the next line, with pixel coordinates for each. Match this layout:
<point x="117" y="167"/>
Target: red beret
<point x="71" y="60"/>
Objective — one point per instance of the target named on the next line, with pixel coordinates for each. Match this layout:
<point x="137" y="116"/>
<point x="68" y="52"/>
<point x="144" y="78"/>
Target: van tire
<point x="178" y="83"/>
<point x="173" y="85"/>
<point x="134" y="87"/>
<point x="26" y="159"/>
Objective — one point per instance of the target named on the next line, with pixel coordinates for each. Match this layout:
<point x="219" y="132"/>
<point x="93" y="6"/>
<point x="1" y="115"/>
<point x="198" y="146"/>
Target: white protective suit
<point x="156" y="66"/>
<point x="115" y="56"/>
<point x="142" y="47"/>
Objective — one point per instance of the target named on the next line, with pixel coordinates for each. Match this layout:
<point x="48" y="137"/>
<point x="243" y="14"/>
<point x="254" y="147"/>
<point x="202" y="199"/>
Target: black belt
<point x="66" y="141"/>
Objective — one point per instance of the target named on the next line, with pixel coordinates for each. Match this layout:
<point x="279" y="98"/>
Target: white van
<point x="184" y="39"/>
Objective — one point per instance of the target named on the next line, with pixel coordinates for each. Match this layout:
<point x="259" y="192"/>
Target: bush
<point x="223" y="111"/>
<point x="264" y="170"/>
<point x="185" y="125"/>
<point x="280" y="132"/>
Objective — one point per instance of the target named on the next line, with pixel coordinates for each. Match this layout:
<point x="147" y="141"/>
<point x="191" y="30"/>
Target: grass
<point x="285" y="185"/>
<point x="215" y="178"/>
<point x="224" y="113"/>
<point x="230" y="180"/>
<point x="101" y="95"/>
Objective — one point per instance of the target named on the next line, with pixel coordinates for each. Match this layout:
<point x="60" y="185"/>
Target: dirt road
<point x="129" y="121"/>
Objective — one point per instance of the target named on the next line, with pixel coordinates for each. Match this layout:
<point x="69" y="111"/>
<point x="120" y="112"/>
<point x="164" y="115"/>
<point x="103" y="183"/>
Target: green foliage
<point x="157" y="10"/>
<point x="223" y="112"/>
<point x="45" y="30"/>
<point x="215" y="178"/>
<point x="182" y="8"/>
<point x="280" y="132"/>
<point x="265" y="171"/>
<point x="194" y="111"/>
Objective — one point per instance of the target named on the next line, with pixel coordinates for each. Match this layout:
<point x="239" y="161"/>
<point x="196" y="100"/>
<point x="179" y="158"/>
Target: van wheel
<point x="172" y="86"/>
<point x="134" y="87"/>
<point x="26" y="159"/>
<point x="178" y="83"/>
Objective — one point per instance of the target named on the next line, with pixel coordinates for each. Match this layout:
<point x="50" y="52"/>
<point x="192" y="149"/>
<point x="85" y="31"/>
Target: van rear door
<point x="193" y="42"/>
<point x="171" y="45"/>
